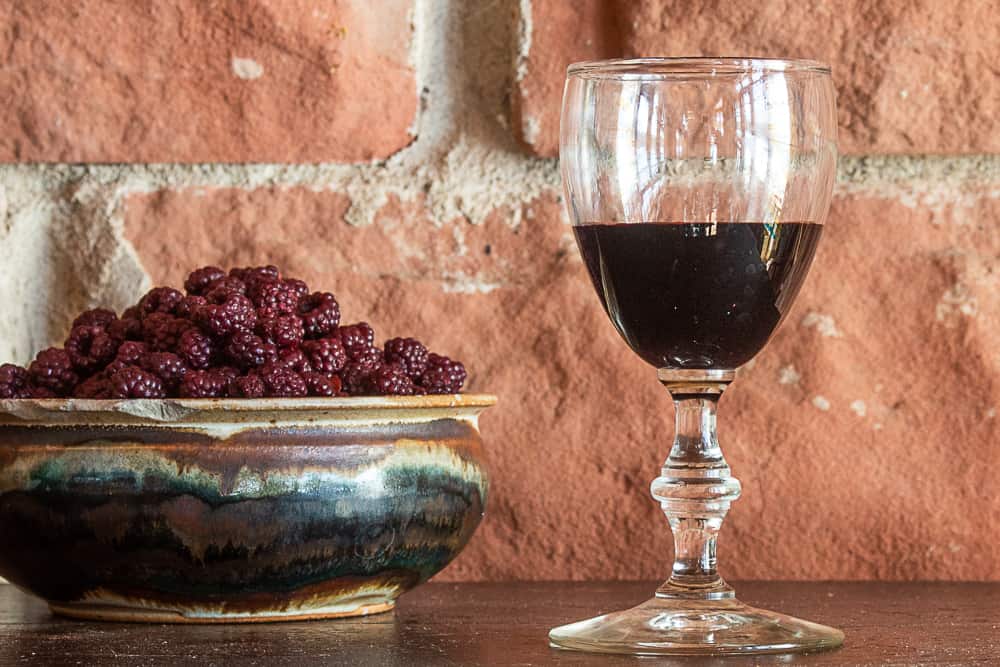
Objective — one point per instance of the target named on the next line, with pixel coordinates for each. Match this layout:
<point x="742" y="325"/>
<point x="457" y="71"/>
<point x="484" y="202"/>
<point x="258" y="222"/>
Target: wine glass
<point x="697" y="188"/>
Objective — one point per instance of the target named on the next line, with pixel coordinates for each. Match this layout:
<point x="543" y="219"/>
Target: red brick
<point x="193" y="81"/>
<point x="901" y="492"/>
<point x="562" y="32"/>
<point x="913" y="76"/>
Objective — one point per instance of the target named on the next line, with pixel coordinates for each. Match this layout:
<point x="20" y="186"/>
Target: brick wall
<point x="402" y="152"/>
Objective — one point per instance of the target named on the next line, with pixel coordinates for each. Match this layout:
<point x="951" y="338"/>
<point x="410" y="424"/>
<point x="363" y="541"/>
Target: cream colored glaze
<point x="225" y="417"/>
<point x="101" y="604"/>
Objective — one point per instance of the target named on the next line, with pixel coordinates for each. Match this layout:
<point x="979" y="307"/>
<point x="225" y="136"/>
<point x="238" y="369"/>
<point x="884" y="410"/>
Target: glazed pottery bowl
<point x="236" y="510"/>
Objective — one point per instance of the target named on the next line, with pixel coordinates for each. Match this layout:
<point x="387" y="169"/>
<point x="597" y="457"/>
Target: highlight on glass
<point x="698" y="189"/>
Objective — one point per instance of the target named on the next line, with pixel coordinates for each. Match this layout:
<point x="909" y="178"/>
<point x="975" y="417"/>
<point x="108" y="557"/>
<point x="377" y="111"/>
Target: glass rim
<point x="665" y="67"/>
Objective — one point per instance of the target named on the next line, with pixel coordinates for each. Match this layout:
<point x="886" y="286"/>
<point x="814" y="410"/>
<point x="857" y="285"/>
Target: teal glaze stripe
<point x="136" y="467"/>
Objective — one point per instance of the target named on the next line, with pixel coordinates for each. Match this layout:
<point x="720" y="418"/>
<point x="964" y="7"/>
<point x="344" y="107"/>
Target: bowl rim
<point x="61" y="410"/>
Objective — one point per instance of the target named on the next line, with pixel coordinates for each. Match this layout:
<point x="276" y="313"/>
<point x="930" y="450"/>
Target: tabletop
<point x="507" y="623"/>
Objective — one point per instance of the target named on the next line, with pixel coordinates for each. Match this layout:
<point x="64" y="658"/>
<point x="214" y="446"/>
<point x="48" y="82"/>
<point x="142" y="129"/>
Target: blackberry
<point x="225" y="288"/>
<point x="129" y="354"/>
<point x="390" y="380"/>
<point x="235" y="313"/>
<point x="228" y="372"/>
<point x="90" y="348"/>
<point x="325" y="355"/>
<point x="95" y="387"/>
<point x="196" y="349"/>
<point x="296" y="360"/>
<point x="282" y="382"/>
<point x="13" y="381"/>
<point x="357" y="338"/>
<point x="298" y="286"/>
<point x="159" y="300"/>
<point x="279" y="339"/>
<point x="167" y="366"/>
<point x="126" y="328"/>
<point x="200" y="281"/>
<point x="188" y="305"/>
<point x="443" y="375"/>
<point x="247" y="386"/>
<point x="35" y="391"/>
<point x="96" y="317"/>
<point x="52" y="369"/>
<point x="320" y="314"/>
<point x="409" y="353"/>
<point x="356" y="372"/>
<point x="319" y="384"/>
<point x="133" y="382"/>
<point x="131" y="351"/>
<point x="203" y="384"/>
<point x="162" y="332"/>
<point x="247" y="350"/>
<point x="285" y="331"/>
<point x="273" y="297"/>
<point x="249" y="274"/>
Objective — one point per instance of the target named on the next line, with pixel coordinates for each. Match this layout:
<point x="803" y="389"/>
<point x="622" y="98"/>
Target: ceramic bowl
<point x="236" y="510"/>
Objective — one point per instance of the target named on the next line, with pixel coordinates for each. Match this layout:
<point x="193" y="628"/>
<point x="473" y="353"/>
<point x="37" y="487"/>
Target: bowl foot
<point x="91" y="611"/>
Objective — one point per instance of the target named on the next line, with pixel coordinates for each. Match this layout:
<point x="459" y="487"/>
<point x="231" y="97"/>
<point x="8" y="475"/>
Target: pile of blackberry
<point x="249" y="333"/>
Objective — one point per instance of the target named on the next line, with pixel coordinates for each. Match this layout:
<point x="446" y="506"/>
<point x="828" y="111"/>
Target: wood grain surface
<point x="507" y="624"/>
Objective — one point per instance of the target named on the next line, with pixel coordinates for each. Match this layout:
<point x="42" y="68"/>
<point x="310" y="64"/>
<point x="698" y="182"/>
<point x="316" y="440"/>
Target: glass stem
<point x="695" y="487"/>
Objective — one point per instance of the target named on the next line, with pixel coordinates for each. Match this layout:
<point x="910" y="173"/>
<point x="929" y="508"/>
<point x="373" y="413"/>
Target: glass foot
<point x="672" y="626"/>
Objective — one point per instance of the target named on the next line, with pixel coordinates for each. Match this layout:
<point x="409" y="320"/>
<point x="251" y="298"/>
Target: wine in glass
<point x="698" y="188"/>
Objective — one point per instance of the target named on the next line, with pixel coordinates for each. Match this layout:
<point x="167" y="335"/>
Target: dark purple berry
<point x="273" y="297"/>
<point x="94" y="387"/>
<point x="443" y="376"/>
<point x="247" y="350"/>
<point x="355" y="373"/>
<point x="196" y="349"/>
<point x="282" y="382"/>
<point x="159" y="300"/>
<point x="408" y="353"/>
<point x="319" y="384"/>
<point x="52" y="369"/>
<point x="357" y="338"/>
<point x="235" y="313"/>
<point x="167" y="366"/>
<point x="35" y="391"/>
<point x="296" y="360"/>
<point x="133" y="382"/>
<point x="325" y="355"/>
<point x="200" y="281"/>
<point x="96" y="317"/>
<point x="298" y="286"/>
<point x="162" y="332"/>
<point x="131" y="351"/>
<point x="188" y="305"/>
<point x="90" y="348"/>
<point x="390" y="380"/>
<point x="225" y="288"/>
<point x="127" y="328"/>
<point x="13" y="381"/>
<point x="203" y="384"/>
<point x="251" y="274"/>
<point x="285" y="331"/>
<point x="247" y="386"/>
<point x="320" y="314"/>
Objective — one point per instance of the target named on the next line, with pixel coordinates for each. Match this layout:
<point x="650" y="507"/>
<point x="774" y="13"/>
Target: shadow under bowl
<point x="236" y="510"/>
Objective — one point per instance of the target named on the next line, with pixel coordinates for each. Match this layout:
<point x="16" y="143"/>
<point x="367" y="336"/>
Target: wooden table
<point x="506" y="624"/>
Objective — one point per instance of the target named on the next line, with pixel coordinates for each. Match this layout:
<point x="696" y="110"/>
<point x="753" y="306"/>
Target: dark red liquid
<point x="697" y="295"/>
